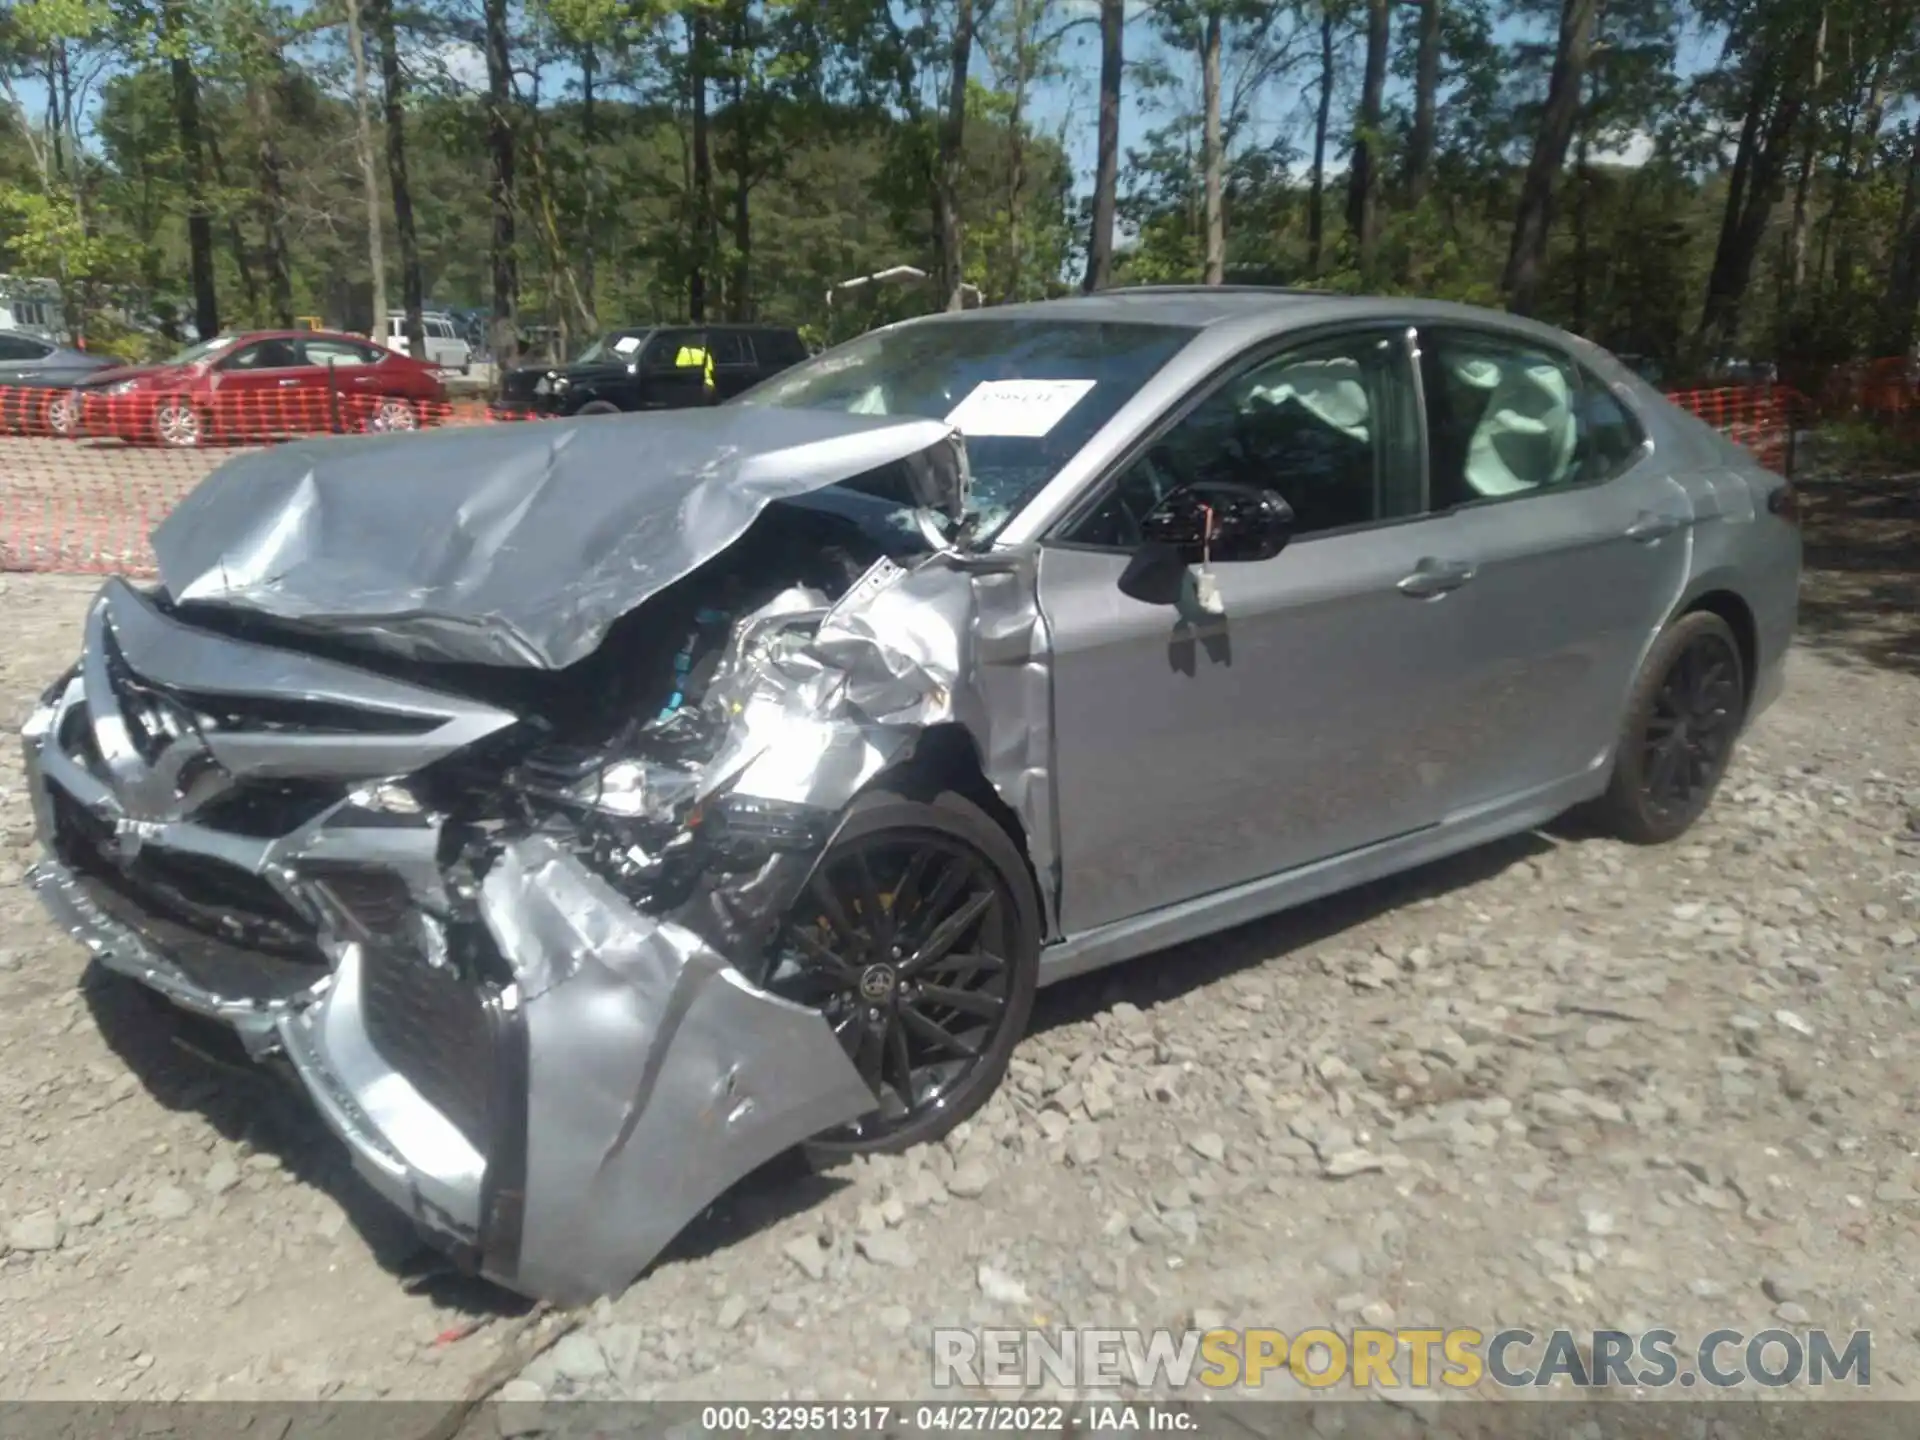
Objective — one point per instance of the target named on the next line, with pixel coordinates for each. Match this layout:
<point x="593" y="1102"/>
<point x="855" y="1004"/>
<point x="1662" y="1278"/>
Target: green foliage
<point x="822" y="119"/>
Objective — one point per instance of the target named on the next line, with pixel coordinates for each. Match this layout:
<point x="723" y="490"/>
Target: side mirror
<point x="1249" y="522"/>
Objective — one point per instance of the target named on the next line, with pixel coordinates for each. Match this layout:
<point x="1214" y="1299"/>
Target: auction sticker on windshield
<point x="1027" y="408"/>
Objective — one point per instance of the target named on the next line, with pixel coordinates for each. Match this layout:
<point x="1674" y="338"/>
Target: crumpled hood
<point x="515" y="545"/>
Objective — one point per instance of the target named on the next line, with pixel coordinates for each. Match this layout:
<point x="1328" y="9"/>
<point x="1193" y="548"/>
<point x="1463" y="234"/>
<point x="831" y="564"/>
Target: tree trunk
<point x="1017" y="151"/>
<point x="1766" y="133"/>
<point x="1801" y="227"/>
<point x="273" y="197"/>
<point x="1528" y="251"/>
<point x="1106" y="178"/>
<point x="505" y="276"/>
<point x="1426" y="91"/>
<point x="1362" y="210"/>
<point x="1857" y="170"/>
<point x="1582" y="230"/>
<point x="589" y="141"/>
<point x="1212" y="159"/>
<point x="1322" y="119"/>
<point x="186" y="114"/>
<point x="236" y="242"/>
<point x="393" y="94"/>
<point x="702" y="168"/>
<point x="740" y="284"/>
<point x="1903" y="284"/>
<point x="369" y="176"/>
<point x="946" y="200"/>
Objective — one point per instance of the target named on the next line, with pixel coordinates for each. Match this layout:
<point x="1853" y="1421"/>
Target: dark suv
<point x="653" y="368"/>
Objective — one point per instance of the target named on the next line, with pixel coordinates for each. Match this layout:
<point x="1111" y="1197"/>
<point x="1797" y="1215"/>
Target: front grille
<point x="435" y="1028"/>
<point x="219" y="901"/>
<point x="378" y="900"/>
<point x="268" y="809"/>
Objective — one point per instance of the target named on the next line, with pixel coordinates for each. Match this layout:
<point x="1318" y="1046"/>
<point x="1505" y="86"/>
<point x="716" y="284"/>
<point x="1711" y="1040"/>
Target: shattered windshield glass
<point x="1026" y="393"/>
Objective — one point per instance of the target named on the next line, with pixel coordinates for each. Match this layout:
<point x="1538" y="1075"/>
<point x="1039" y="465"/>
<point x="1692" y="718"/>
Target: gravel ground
<point x="1556" y="1081"/>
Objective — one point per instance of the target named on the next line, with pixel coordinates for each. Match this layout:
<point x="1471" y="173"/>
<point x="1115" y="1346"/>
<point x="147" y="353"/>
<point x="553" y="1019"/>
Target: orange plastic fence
<point x="82" y="486"/>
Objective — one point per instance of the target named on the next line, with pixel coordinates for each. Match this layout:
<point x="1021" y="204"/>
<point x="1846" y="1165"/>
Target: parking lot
<point x="1556" y="1081"/>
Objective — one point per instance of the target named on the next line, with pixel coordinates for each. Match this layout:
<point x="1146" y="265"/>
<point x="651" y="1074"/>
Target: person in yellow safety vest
<point x="692" y="355"/>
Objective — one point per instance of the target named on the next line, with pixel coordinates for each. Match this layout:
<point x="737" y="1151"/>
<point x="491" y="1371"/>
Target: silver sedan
<point x="602" y="808"/>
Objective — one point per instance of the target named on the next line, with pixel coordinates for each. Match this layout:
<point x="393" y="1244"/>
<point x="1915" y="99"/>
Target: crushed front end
<point x="515" y="928"/>
<point x="548" y="1079"/>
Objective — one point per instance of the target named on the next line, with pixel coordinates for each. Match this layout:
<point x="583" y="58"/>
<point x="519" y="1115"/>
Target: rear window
<point x="779" y="347"/>
<point x="1027" y="394"/>
<point x="730" y="347"/>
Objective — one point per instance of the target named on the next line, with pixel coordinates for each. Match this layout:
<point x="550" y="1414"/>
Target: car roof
<point x="1261" y="308"/>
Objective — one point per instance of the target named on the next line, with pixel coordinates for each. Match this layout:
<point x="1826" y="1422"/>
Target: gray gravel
<point x="1558" y="1081"/>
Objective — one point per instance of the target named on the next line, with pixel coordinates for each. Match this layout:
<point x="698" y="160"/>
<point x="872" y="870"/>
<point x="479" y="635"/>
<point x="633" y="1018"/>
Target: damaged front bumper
<point x="555" y="1126"/>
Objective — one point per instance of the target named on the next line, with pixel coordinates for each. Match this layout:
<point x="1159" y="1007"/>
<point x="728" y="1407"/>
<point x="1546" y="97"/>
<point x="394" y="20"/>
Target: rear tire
<point x="958" y="921"/>
<point x="1682" y="719"/>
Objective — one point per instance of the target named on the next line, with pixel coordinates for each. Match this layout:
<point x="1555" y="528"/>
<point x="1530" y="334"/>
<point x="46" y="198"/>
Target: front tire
<point x="1682" y="718"/>
<point x="62" y="416"/>
<point x="918" y="939"/>
<point x="390" y="416"/>
<point x="178" y="424"/>
<point x="598" y="407"/>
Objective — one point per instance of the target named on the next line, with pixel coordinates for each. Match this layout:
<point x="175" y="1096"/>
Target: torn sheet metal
<point x="657" y="1075"/>
<point x="956" y="639"/>
<point x="516" y="545"/>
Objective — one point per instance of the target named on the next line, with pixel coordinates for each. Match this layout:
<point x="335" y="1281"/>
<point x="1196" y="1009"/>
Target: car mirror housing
<point x="1220" y="521"/>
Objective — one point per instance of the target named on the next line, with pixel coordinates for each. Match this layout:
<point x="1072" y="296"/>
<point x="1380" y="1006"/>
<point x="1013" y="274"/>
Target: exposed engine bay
<point x="505" y="880"/>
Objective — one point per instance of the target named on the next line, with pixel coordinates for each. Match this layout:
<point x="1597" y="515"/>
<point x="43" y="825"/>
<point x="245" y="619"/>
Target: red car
<point x="260" y="385"/>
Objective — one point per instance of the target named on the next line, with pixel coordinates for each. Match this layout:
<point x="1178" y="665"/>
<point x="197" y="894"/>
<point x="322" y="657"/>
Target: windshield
<point x="621" y="345"/>
<point x="205" y="350"/>
<point x="1026" y="393"/>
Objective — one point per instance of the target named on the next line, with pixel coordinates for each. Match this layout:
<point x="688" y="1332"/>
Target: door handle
<point x="1648" y="526"/>
<point x="287" y="382"/>
<point x="1431" y="578"/>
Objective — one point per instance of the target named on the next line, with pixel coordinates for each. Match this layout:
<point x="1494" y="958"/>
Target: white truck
<point x="446" y="347"/>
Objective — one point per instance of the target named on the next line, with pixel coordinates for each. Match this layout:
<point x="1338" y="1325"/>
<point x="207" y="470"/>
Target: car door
<point x="1579" y="541"/>
<point x="262" y="388"/>
<point x="1319" y="712"/>
<point x="665" y="383"/>
<point x="733" y="362"/>
<point x="353" y="378"/>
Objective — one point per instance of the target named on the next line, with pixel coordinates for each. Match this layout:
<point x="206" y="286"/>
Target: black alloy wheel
<point x="917" y="940"/>
<point x="1685" y="714"/>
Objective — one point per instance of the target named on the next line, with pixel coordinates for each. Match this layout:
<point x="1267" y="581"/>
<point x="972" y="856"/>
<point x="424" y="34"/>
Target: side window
<point x="1508" y="418"/>
<point x="779" y="347"/>
<point x="340" y="354"/>
<point x="262" y="355"/>
<point x="1330" y="426"/>
<point x="1611" y="438"/>
<point x="13" y="347"/>
<point x="667" y="350"/>
<point x="730" y="348"/>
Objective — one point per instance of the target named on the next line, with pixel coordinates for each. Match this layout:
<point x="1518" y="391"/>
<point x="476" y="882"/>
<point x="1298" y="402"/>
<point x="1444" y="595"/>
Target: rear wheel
<point x="178" y="423"/>
<point x="918" y="939"/>
<point x="1682" y="719"/>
